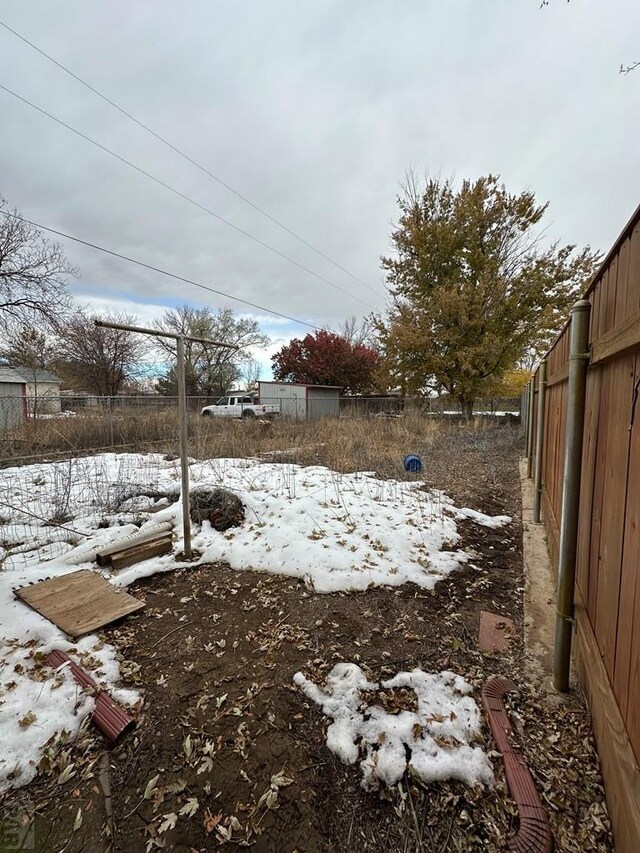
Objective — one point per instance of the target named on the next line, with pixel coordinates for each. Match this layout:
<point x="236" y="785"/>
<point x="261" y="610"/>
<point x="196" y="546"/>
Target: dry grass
<point x="375" y="444"/>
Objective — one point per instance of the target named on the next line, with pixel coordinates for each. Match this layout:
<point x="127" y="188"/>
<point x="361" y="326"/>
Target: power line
<point x="157" y="269"/>
<point x="182" y="195"/>
<point x="186" y="157"/>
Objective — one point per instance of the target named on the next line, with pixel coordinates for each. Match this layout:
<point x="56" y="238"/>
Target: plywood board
<point x="79" y="602"/>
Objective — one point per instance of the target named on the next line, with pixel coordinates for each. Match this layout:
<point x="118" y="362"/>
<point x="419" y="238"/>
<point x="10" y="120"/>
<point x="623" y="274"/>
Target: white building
<point x="299" y="400"/>
<point x="43" y="390"/>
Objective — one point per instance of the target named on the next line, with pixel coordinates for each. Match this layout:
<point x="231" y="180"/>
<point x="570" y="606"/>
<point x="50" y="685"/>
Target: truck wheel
<point x="248" y="415"/>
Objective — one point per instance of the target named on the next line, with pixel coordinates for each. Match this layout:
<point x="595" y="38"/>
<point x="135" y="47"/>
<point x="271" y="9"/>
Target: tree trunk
<point x="466" y="407"/>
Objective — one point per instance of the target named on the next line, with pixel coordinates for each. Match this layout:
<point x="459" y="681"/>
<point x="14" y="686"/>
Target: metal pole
<point x="537" y="491"/>
<point x="110" y="416"/>
<point x="578" y="363"/>
<point x="184" y="457"/>
<point x="532" y="387"/>
<point x="524" y="411"/>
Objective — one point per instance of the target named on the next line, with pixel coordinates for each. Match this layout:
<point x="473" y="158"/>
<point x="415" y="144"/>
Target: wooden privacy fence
<point x="607" y="588"/>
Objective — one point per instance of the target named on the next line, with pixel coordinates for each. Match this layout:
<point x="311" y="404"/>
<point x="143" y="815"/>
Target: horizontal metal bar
<point x="158" y="334"/>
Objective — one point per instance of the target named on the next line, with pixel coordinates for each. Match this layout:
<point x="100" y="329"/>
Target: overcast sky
<point x="314" y="112"/>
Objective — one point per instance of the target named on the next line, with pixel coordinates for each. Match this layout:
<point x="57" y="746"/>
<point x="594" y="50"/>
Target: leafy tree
<point x="97" y="359"/>
<point x="327" y="359"/>
<point x="473" y="287"/>
<point x="33" y="274"/>
<point x="209" y="370"/>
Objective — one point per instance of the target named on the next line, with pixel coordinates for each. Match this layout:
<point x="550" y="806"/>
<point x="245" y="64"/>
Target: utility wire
<point x="182" y="195"/>
<point x="186" y="157"/>
<point x="156" y="269"/>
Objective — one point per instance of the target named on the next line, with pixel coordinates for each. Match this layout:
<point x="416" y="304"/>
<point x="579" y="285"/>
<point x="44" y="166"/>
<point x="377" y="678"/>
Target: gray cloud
<point x="315" y="112"/>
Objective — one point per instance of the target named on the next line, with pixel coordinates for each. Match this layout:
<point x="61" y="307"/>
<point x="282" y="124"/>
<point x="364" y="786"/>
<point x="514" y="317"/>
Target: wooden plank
<point x="633" y="286"/>
<point x="633" y="705"/>
<point x="630" y="582"/>
<point x="589" y="447"/>
<point x="143" y="551"/>
<point x="553" y="530"/>
<point x="598" y="488"/>
<point x="104" y="558"/>
<point x="612" y="292"/>
<point x="79" y="602"/>
<point x="562" y="375"/>
<point x="625" y="336"/>
<point x="164" y="528"/>
<point x="621" y="375"/>
<point x="619" y="768"/>
<point x="621" y="313"/>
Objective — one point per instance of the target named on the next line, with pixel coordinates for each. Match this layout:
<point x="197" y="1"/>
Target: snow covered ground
<point x="335" y="531"/>
<point x="438" y="734"/>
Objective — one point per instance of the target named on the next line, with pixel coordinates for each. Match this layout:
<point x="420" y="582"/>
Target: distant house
<point x="300" y="400"/>
<point x="43" y="390"/>
<point x="13" y="398"/>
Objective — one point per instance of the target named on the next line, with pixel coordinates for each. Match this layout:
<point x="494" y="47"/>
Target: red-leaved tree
<point x="327" y="359"/>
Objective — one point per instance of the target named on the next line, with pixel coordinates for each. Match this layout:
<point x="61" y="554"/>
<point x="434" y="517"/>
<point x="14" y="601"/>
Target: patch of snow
<point x="493" y="521"/>
<point x="434" y="743"/>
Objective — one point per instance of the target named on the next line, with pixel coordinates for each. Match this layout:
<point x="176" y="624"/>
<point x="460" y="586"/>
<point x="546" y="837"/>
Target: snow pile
<point x="337" y="531"/>
<point x="433" y="743"/>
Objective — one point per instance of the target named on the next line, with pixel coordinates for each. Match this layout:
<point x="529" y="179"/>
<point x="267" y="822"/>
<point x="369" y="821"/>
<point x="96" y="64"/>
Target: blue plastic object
<point x="412" y="463"/>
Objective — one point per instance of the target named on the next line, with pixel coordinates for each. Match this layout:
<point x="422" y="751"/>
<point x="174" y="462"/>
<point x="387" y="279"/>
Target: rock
<point x="223" y="509"/>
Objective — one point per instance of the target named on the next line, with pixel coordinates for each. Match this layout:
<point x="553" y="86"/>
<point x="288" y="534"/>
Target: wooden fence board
<point x="633" y="285"/>
<point x="633" y="706"/>
<point x="623" y="285"/>
<point x="622" y="777"/>
<point x="620" y="378"/>
<point x="598" y="489"/>
<point x="589" y="449"/>
<point x="608" y="555"/>
<point x="626" y="653"/>
<point x="602" y="305"/>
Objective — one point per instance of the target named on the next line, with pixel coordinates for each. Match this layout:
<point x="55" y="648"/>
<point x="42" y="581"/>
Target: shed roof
<point x="8" y="374"/>
<point x="37" y="374"/>
<point x="298" y="384"/>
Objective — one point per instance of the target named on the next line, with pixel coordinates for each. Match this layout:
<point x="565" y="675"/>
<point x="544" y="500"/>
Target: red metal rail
<point x="107" y="715"/>
<point x="534" y="834"/>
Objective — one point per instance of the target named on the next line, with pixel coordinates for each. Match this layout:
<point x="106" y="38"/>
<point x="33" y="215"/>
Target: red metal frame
<point x="534" y="834"/>
<point x="107" y="715"/>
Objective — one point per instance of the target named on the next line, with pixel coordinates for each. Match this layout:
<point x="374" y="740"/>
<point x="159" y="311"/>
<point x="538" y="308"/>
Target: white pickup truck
<point x="244" y="406"/>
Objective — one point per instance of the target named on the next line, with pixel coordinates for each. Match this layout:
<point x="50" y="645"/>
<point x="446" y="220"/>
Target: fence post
<point x="532" y="387"/>
<point x="537" y="492"/>
<point x="578" y="363"/>
<point x="110" y="417"/>
<point x="184" y="453"/>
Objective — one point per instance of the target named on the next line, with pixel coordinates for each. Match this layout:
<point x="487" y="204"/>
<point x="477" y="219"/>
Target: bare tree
<point x="250" y="374"/>
<point x="359" y="331"/>
<point x="33" y="273"/>
<point x="209" y="370"/>
<point x="98" y="359"/>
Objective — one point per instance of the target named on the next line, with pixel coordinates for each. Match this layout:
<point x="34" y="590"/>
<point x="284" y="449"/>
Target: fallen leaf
<point x="169" y="822"/>
<point x="26" y="721"/>
<point x="211" y="821"/>
<point x="190" y="807"/>
<point x="151" y="784"/>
